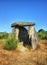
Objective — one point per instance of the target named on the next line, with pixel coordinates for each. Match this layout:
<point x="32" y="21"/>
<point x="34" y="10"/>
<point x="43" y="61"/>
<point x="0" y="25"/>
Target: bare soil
<point x="31" y="57"/>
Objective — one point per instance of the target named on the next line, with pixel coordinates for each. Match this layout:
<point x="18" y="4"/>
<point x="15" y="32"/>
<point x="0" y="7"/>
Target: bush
<point x="11" y="43"/>
<point x="3" y="35"/>
<point x="42" y="34"/>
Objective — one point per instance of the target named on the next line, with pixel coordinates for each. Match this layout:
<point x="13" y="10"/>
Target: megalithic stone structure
<point x="25" y="35"/>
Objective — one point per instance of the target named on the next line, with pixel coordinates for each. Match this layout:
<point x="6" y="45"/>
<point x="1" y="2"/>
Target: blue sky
<point x="23" y="10"/>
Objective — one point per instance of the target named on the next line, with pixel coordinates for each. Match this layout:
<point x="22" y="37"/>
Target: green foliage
<point x="41" y="30"/>
<point x="3" y="35"/>
<point x="42" y="34"/>
<point x="11" y="43"/>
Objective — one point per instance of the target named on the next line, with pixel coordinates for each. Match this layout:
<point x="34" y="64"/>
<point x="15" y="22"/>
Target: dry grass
<point x="32" y="57"/>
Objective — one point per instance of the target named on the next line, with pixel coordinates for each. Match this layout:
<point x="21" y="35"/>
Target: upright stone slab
<point x="16" y="32"/>
<point x="31" y="32"/>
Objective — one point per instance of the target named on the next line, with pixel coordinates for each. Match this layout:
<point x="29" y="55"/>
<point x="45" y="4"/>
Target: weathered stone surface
<point x="22" y="24"/>
<point x="32" y="36"/>
<point x="16" y="32"/>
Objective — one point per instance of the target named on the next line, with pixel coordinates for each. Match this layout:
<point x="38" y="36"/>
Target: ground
<point x="30" y="57"/>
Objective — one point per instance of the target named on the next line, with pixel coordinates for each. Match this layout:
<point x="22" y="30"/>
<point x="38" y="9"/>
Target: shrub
<point x="11" y="43"/>
<point x="3" y="35"/>
<point x="42" y="34"/>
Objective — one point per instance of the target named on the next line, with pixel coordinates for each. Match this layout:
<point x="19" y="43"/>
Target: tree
<point x="42" y="34"/>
